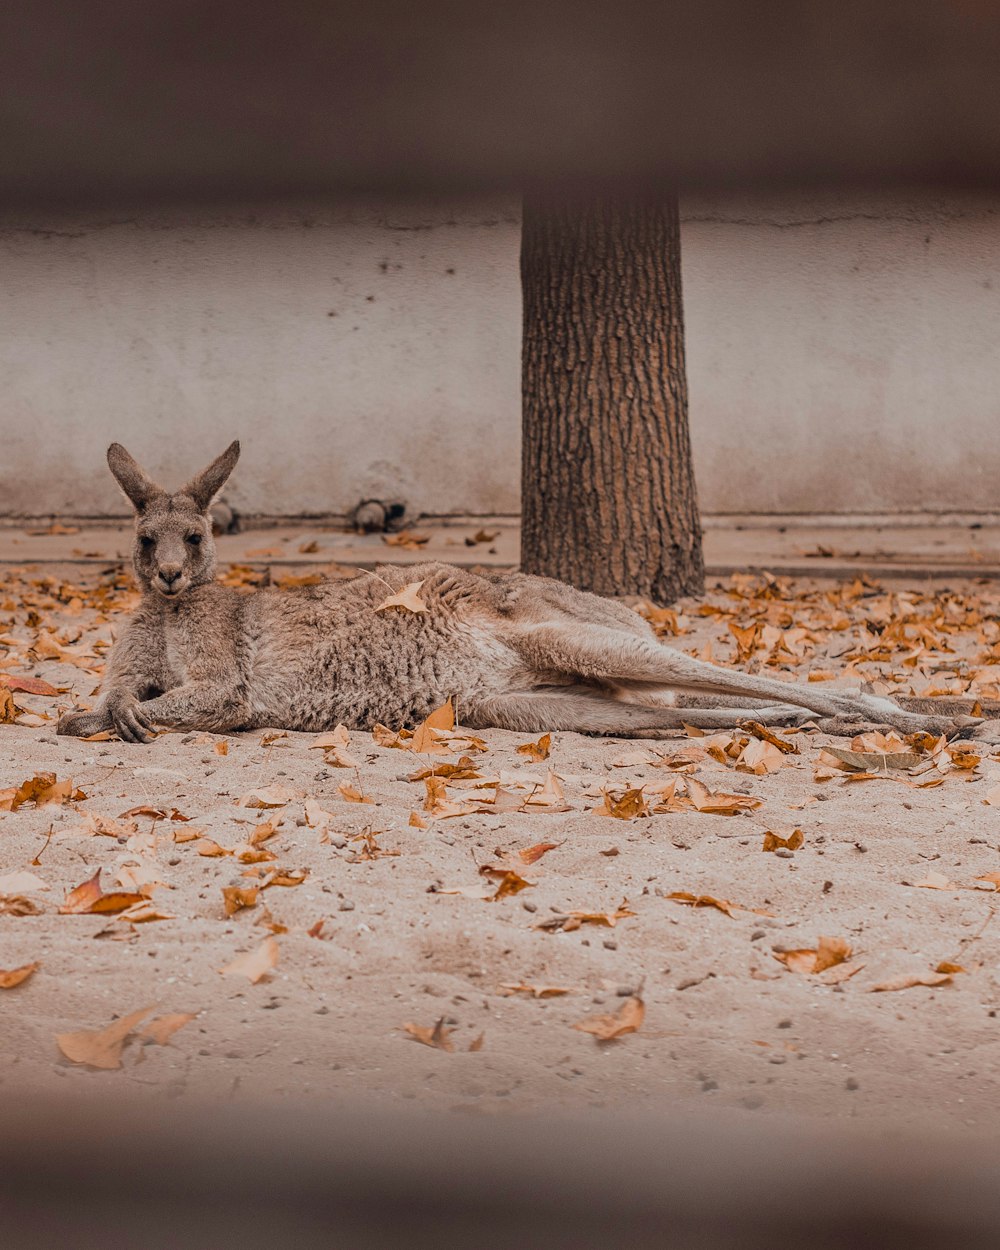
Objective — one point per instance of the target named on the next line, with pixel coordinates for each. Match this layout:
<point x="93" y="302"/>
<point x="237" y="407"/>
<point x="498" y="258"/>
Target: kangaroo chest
<point x="176" y="647"/>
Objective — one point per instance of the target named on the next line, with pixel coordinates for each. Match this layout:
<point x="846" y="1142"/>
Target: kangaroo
<point x="513" y="651"/>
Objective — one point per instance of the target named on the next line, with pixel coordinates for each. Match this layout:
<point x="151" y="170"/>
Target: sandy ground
<point x="371" y="940"/>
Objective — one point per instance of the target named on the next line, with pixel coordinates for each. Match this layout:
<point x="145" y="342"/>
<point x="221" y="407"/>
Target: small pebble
<point x="346" y="905"/>
<point x="784" y="853"/>
<point x="610" y="944"/>
<point x="528" y="905"/>
<point x="851" y="1083"/>
<point x="784" y="1024"/>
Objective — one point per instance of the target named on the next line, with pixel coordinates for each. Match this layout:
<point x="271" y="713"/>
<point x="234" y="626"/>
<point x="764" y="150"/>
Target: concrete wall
<point x="844" y="355"/>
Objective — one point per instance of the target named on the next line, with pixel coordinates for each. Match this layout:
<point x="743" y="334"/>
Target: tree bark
<point x="608" y="494"/>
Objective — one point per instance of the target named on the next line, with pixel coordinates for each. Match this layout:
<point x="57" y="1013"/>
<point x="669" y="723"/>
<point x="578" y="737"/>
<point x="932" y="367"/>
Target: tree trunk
<point x="608" y="495"/>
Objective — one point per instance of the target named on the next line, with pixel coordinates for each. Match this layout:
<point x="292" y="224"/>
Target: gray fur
<point x="512" y="651"/>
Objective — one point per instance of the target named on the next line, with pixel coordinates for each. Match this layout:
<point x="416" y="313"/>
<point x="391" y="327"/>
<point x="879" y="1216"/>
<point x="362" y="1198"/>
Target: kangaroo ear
<point x="138" y="488"/>
<point x="206" y="485"/>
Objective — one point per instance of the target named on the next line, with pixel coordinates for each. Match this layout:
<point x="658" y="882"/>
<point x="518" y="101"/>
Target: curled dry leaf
<point x="89" y="899"/>
<point x="992" y="877"/>
<point x="408" y="599"/>
<point x="427" y="735"/>
<point x="9" y="711"/>
<point x="531" y="854"/>
<point x="625" y="806"/>
<point x="210" y="849"/>
<point x="703" y="900"/>
<point x="270" y="736"/>
<point x="267" y="796"/>
<point x="162" y="1029"/>
<point x="766" y="735"/>
<point x="508" y="880"/>
<point x="536" y="751"/>
<point x="760" y="757"/>
<point x="828" y="953"/>
<point x="352" y="794"/>
<point x="142" y="913"/>
<point x="570" y="921"/>
<point x="463" y="770"/>
<point x="336" y="747"/>
<point x="607" y="1028"/>
<point x="11" y="977"/>
<point x="30" y="685"/>
<point x="101" y="1048"/>
<point x="385" y="737"/>
<point x="535" y="991"/>
<point x="254" y="964"/>
<point x="436" y="1036"/>
<point x="914" y="979"/>
<point x="789" y="842"/>
<point x="43" y="788"/>
<point x="236" y="897"/>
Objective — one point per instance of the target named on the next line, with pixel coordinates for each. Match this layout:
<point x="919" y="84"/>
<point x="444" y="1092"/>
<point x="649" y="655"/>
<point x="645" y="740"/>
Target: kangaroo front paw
<point x="82" y="724"/>
<point x="130" y="722"/>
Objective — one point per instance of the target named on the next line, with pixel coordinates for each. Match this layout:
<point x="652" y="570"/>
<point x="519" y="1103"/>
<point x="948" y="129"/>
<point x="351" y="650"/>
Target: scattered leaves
<point x="608" y="1028"/>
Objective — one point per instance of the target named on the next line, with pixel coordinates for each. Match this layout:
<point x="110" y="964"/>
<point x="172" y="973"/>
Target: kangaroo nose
<point x="170" y="574"/>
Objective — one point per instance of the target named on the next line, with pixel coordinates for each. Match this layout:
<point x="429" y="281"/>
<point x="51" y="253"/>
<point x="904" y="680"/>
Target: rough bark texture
<point x="608" y="494"/>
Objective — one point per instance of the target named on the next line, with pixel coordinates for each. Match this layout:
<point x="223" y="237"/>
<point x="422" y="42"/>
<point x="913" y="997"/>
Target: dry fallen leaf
<point x="45" y="788"/>
<point x="625" y="806"/>
<point x="777" y="841"/>
<point x="908" y="982"/>
<point x="30" y="685"/>
<point x="160" y="1030"/>
<point x="254" y="964"/>
<point x="536" y="751"/>
<point x="236" y="897"/>
<point x="536" y="991"/>
<point x="427" y="735"/>
<point x="829" y="952"/>
<point x="435" y="1035"/>
<point x="267" y="796"/>
<point x="531" y="854"/>
<point x="89" y="899"/>
<point x="100" y="1048"/>
<point x="606" y="1028"/>
<point x="408" y="598"/>
<point x="352" y="794"/>
<point x="10" y="977"/>
<point x="703" y="900"/>
<point x="570" y="921"/>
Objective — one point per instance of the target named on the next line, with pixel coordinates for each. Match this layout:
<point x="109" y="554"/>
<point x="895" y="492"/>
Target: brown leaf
<point x="908" y="982"/>
<point x="606" y="1028"/>
<point x="718" y="804"/>
<point x="408" y="598"/>
<point x="9" y="977"/>
<point x="463" y="770"/>
<point x="992" y="877"/>
<point x="406" y="538"/>
<point x="626" y="806"/>
<point x="746" y="640"/>
<point x="536" y="991"/>
<point x="385" y="737"/>
<point x="426" y="736"/>
<point x="221" y="748"/>
<point x="702" y="900"/>
<point x="946" y="966"/>
<point x="571" y="921"/>
<point x="766" y="735"/>
<point x="435" y="1035"/>
<point x="508" y="881"/>
<point x="352" y="794"/>
<point x="142" y="913"/>
<point x="267" y="796"/>
<point x="828" y="953"/>
<point x="44" y="788"/>
<point x="531" y="854"/>
<point x="100" y="1048"/>
<point x="478" y="1042"/>
<point x="760" y="757"/>
<point x="9" y="711"/>
<point x="210" y="849"/>
<point x="536" y="751"/>
<point x="336" y="747"/>
<point x="775" y="841"/>
<point x="236" y="897"/>
<point x="88" y="899"/>
<point x="254" y="964"/>
<point x="162" y="1029"/>
<point x="30" y="685"/>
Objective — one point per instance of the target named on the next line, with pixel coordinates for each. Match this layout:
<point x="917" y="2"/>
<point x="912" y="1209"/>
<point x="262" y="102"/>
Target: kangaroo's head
<point x="173" y="548"/>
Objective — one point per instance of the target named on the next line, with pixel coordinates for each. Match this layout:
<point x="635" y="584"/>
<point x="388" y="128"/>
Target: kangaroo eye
<point x="147" y="544"/>
<point x="194" y="540"/>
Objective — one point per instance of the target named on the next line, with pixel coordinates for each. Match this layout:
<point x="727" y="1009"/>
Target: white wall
<point x="844" y="354"/>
